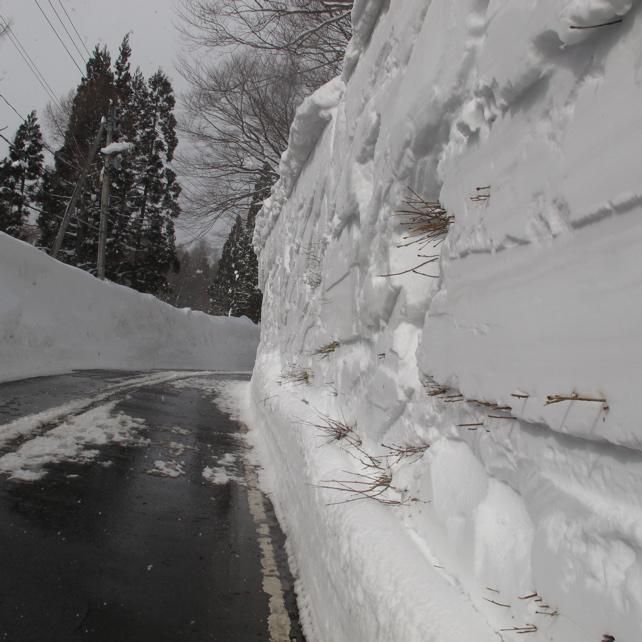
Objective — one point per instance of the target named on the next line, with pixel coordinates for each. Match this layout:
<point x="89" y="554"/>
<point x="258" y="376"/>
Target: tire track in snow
<point x="16" y="433"/>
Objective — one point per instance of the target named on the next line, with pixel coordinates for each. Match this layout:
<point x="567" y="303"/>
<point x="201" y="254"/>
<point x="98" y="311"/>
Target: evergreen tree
<point x="222" y="290"/>
<point x="189" y="286"/>
<point x="155" y="197"/>
<point x="91" y="103"/>
<point x="234" y="291"/>
<point x="20" y="177"/>
<point x="144" y="190"/>
<point x="123" y="172"/>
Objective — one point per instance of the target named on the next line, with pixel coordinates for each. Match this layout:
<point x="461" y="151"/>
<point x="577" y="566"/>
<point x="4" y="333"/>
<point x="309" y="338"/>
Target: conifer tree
<point x="123" y="175"/>
<point x="222" y="290"/>
<point x="155" y="198"/>
<point x="91" y="103"/>
<point x="234" y="291"/>
<point x="20" y="177"/>
<point x="144" y="189"/>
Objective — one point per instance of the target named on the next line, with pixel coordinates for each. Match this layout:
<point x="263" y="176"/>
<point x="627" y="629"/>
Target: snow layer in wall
<point x="55" y="318"/>
<point x="512" y="370"/>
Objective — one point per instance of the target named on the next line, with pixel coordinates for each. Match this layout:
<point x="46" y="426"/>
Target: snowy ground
<point x="55" y="318"/>
<point x="512" y="510"/>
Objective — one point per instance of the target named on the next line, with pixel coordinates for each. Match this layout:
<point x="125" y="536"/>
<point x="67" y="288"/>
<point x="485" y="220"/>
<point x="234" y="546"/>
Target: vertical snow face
<point x="55" y="318"/>
<point x="522" y="119"/>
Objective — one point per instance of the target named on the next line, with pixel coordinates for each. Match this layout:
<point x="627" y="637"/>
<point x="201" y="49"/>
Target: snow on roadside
<point x="220" y="475"/>
<point x="55" y="318"/>
<point x="75" y="440"/>
<point x="169" y="468"/>
<point x="230" y="394"/>
<point x="516" y="367"/>
<point x="231" y="397"/>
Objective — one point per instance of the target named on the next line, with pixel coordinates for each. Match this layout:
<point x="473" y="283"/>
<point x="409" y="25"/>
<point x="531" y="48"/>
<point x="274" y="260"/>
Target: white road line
<point x="279" y="622"/>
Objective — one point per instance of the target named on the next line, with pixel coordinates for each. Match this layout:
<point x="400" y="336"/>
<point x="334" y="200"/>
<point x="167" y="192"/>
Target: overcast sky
<point x="155" y="43"/>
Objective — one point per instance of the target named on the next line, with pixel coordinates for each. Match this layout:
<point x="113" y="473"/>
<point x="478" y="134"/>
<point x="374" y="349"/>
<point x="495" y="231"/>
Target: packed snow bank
<point x="55" y="318"/>
<point x="504" y="385"/>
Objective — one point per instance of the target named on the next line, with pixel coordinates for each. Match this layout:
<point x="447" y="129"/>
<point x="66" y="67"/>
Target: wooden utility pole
<point x="78" y="190"/>
<point x="104" y="197"/>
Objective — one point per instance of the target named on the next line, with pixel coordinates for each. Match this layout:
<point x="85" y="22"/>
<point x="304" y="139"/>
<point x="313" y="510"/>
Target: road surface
<point x="115" y="550"/>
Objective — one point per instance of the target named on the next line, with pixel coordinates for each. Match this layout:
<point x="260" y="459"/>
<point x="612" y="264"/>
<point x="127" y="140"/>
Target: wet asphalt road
<point x="107" y="552"/>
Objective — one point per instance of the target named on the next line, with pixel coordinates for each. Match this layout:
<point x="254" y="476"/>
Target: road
<point x="102" y="545"/>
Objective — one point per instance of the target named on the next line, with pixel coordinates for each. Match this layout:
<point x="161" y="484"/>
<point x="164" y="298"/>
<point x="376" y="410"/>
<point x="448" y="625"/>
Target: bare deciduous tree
<point x="57" y="118"/>
<point x="315" y="31"/>
<point x="269" y="54"/>
<point x="237" y="120"/>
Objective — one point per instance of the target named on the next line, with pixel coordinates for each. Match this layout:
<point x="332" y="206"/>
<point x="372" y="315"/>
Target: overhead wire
<point x="24" y="54"/>
<point x="12" y="107"/>
<point x="44" y="144"/>
<point x="71" y="22"/>
<point x="71" y="38"/>
<point x="33" y="67"/>
<point x="46" y="17"/>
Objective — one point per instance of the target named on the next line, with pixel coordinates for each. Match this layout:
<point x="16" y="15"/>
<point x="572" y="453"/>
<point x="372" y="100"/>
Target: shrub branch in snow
<point x="426" y="221"/>
<point x="326" y="350"/>
<point x="396" y="452"/>
<point x="336" y="430"/>
<point x="482" y="194"/>
<point x="374" y="483"/>
<point x="296" y="375"/>
<point x="574" y="396"/>
<point x="602" y="24"/>
<point x="527" y="628"/>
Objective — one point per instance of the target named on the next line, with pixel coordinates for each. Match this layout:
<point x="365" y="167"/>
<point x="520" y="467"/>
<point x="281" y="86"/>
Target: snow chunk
<point x="225" y="472"/>
<point x="584" y="18"/>
<point x="70" y="441"/>
<point x="311" y="118"/>
<point x="166" y="469"/>
<point x="218" y="475"/>
<point x="117" y="148"/>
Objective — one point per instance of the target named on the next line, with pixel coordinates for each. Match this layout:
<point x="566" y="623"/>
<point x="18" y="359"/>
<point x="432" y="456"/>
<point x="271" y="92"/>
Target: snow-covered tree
<point x="189" y="286"/>
<point x="20" y="177"/>
<point x="91" y="103"/>
<point x="154" y="198"/>
<point x="234" y="291"/>
<point x="144" y="190"/>
<point x="222" y="289"/>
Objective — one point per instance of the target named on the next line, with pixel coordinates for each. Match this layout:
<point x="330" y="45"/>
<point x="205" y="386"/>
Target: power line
<point x="82" y="73"/>
<point x="33" y="67"/>
<point x="73" y="42"/>
<point x="41" y="79"/>
<point x="44" y="144"/>
<point x="71" y="22"/>
<point x="24" y="54"/>
<point x="20" y="116"/>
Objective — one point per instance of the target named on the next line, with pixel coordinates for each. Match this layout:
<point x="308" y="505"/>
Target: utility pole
<point x="78" y="190"/>
<point x="104" y="197"/>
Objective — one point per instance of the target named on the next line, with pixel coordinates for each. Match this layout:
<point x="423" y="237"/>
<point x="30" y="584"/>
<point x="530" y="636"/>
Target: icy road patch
<point x="77" y="439"/>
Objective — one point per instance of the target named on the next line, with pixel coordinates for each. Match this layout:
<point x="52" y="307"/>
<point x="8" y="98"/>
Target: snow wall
<point x="520" y="516"/>
<point x="55" y="318"/>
